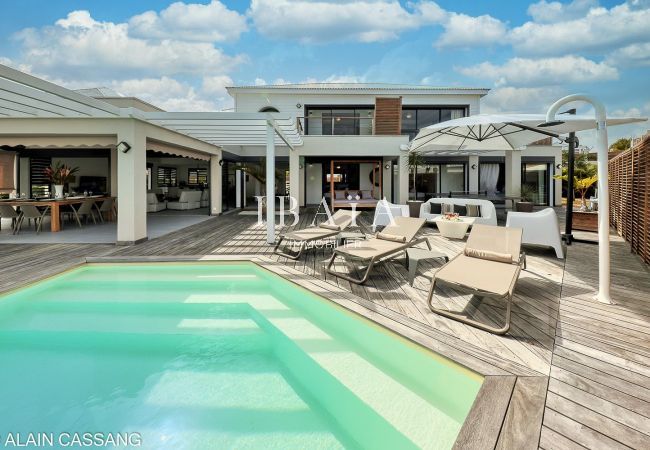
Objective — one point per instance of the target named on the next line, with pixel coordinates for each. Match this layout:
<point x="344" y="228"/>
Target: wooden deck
<point x="575" y="373"/>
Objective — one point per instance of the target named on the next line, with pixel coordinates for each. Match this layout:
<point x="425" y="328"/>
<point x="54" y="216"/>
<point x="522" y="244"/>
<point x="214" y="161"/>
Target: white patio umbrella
<point x="490" y="132"/>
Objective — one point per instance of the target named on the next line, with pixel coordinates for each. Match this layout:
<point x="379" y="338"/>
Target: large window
<point x="167" y="177"/>
<point x="415" y="118"/>
<point x="198" y="176"/>
<point x="39" y="183"/>
<point x="339" y="120"/>
<point x="536" y="175"/>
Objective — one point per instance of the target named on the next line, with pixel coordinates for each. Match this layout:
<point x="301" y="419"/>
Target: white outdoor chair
<point x="382" y="216"/>
<point x="540" y="228"/>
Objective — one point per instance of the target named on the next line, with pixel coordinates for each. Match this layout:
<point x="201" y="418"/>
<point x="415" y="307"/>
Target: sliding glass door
<point x="536" y="175"/>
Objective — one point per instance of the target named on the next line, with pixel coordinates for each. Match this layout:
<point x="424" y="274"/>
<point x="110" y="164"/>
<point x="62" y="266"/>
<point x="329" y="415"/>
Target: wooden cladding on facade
<point x="388" y="115"/>
<point x="629" y="178"/>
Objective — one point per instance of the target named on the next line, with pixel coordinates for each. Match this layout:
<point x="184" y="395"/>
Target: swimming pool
<point x="217" y="355"/>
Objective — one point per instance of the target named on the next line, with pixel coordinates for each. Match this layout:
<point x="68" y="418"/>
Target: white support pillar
<point x="513" y="173"/>
<point x="215" y="184"/>
<point x="403" y="179"/>
<point x="473" y="170"/>
<point x="294" y="175"/>
<point x="270" y="184"/>
<point x="387" y="178"/>
<point x="114" y="172"/>
<point x="239" y="189"/>
<point x="132" y="185"/>
<point x="301" y="201"/>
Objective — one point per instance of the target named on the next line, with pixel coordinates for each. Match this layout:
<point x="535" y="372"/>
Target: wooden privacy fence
<point x="629" y="185"/>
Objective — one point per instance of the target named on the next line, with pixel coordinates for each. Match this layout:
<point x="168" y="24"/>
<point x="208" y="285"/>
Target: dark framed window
<point x="39" y="183"/>
<point x="167" y="177"/>
<point x="339" y="120"/>
<point x="415" y="118"/>
<point x="197" y="176"/>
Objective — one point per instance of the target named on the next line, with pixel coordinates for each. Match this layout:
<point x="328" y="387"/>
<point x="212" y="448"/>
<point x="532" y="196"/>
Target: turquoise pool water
<point x="217" y="355"/>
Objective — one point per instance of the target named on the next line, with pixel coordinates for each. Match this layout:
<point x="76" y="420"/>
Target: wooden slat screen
<point x="388" y="115"/>
<point x="629" y="178"/>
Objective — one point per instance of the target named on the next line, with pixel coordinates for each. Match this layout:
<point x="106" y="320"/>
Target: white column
<point x="387" y="178"/>
<point x="294" y="175"/>
<point x="473" y="167"/>
<point x="132" y="185"/>
<point x="239" y="188"/>
<point x="270" y="184"/>
<point x="403" y="179"/>
<point x="301" y="201"/>
<point x="114" y="172"/>
<point x="215" y="185"/>
<point x="513" y="172"/>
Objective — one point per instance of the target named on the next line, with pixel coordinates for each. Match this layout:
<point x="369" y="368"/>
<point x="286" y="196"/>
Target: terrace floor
<point x="578" y="371"/>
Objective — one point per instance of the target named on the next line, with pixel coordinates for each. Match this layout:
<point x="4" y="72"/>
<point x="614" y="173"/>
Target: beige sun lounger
<point x="341" y="219"/>
<point x="489" y="266"/>
<point x="393" y="240"/>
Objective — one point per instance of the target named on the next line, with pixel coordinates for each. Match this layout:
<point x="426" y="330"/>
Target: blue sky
<point x="182" y="55"/>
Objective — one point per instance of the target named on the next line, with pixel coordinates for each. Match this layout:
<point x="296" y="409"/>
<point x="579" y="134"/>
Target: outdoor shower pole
<point x="568" y="225"/>
<point x="603" y="294"/>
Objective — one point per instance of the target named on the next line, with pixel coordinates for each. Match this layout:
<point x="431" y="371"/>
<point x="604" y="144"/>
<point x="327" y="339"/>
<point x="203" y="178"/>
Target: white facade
<point x="304" y="160"/>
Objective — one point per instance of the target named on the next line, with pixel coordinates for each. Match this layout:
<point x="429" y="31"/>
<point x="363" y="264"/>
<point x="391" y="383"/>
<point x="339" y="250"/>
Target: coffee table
<point x="454" y="229"/>
<point x="415" y="255"/>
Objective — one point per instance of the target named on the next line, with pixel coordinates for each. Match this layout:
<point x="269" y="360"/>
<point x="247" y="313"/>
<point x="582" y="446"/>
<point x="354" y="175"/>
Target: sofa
<point x="186" y="200"/>
<point x="382" y="216"/>
<point x="432" y="209"/>
<point x="540" y="228"/>
<point x="153" y="204"/>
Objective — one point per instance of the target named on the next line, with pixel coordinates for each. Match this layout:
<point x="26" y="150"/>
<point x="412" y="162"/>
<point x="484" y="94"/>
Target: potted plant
<point x="60" y="175"/>
<point x="527" y="193"/>
<point x="582" y="185"/>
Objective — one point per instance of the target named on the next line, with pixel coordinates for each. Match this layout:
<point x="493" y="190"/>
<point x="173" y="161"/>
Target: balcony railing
<point x="336" y="126"/>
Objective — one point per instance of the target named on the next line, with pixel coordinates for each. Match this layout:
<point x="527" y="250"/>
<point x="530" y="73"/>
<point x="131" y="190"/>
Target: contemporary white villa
<point x="328" y="138"/>
<point x="389" y="335"/>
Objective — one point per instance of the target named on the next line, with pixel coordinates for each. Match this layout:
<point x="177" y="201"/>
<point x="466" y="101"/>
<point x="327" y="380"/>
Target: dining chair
<point x="108" y="207"/>
<point x="31" y="212"/>
<point x="8" y="212"/>
<point x="85" y="211"/>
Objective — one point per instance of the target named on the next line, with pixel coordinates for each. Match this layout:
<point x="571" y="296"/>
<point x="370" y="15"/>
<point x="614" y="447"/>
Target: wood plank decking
<point x="582" y="369"/>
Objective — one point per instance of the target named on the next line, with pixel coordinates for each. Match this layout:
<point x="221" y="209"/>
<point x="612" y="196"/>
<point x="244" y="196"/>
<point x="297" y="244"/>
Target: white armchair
<point x="385" y="210"/>
<point x="540" y="228"/>
<point x="153" y="205"/>
<point x="187" y="200"/>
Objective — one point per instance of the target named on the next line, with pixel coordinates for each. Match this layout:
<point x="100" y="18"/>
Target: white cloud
<point x="213" y="22"/>
<point x="543" y="71"/>
<point x="632" y="55"/>
<point x="549" y="12"/>
<point x="171" y="94"/>
<point x="330" y="20"/>
<point x="80" y="44"/>
<point x="465" y="31"/>
<point x="521" y="100"/>
<point x="630" y="112"/>
<point x="600" y="30"/>
<point x="216" y="85"/>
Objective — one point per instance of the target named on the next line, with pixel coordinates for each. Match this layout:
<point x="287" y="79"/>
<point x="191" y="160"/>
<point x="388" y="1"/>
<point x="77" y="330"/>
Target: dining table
<point x="55" y="205"/>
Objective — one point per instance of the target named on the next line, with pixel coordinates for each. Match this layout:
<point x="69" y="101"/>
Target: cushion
<point x="360" y="194"/>
<point x="391" y="237"/>
<point x="460" y="209"/>
<point x="366" y="194"/>
<point x="473" y="210"/>
<point x="446" y="208"/>
<point x="329" y="226"/>
<point x="160" y="197"/>
<point x="489" y="255"/>
<point x="339" y="195"/>
<point x="435" y="208"/>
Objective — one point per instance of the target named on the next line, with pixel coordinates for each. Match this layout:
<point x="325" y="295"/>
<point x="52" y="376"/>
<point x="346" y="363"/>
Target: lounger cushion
<point x="488" y="254"/>
<point x="496" y="239"/>
<point x="435" y="208"/>
<point x="328" y="226"/>
<point x="391" y="237"/>
<point x="473" y="210"/>
<point x="479" y="274"/>
<point x="369" y="248"/>
<point x="460" y="210"/>
<point x="310" y="234"/>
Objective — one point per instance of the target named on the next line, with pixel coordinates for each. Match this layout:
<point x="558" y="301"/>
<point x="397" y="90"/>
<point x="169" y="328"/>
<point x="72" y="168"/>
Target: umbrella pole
<point x="568" y="231"/>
